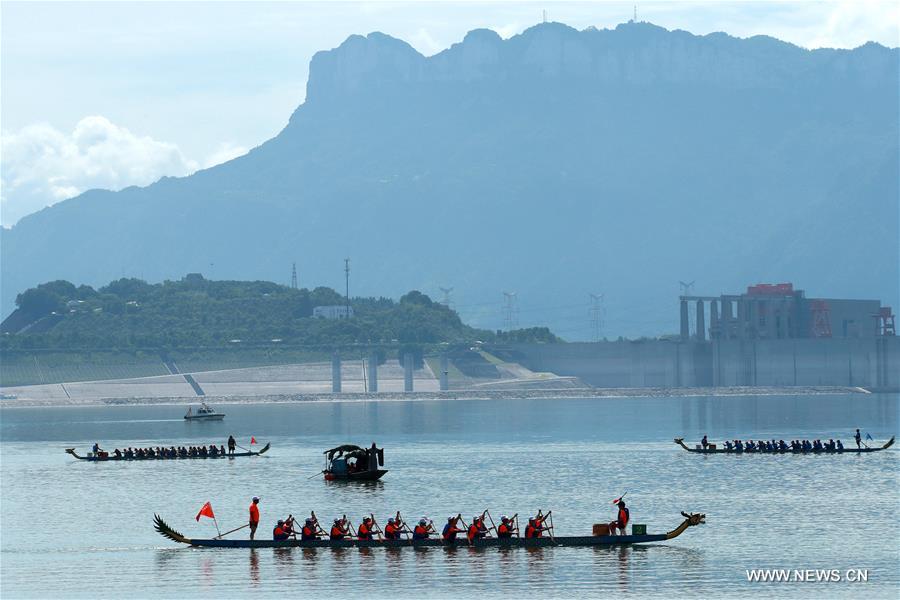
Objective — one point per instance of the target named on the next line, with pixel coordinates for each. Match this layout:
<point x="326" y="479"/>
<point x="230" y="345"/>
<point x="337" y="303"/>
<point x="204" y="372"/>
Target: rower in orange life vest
<point x="622" y="521"/>
<point x="477" y="529"/>
<point x="339" y="529"/>
<point x="309" y="531"/>
<point x="421" y="531"/>
<point x="279" y="534"/>
<point x="393" y="529"/>
<point x="505" y="529"/>
<point x="364" y="531"/>
<point x="450" y="529"/>
<point x="535" y="528"/>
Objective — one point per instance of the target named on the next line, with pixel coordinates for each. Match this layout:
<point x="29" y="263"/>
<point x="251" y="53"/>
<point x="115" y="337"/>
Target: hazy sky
<point x="114" y="94"/>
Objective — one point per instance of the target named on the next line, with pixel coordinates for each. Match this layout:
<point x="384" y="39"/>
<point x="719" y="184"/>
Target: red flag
<point x="252" y="440"/>
<point x="206" y="511"/>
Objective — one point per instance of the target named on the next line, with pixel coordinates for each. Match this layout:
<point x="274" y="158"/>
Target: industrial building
<point x="770" y="312"/>
<point x="772" y="335"/>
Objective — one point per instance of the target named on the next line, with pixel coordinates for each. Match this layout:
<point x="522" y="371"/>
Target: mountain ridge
<point x="643" y="131"/>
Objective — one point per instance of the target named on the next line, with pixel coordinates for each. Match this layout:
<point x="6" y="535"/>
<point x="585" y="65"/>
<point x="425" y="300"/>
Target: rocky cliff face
<point x="555" y="163"/>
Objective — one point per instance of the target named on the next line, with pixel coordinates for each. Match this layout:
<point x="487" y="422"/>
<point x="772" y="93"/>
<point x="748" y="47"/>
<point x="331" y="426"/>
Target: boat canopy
<point x="349" y="450"/>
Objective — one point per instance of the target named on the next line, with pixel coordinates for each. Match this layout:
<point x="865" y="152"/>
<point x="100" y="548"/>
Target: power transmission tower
<point x="294" y="276"/>
<point x="511" y="310"/>
<point x="596" y="313"/>
<point x="446" y="291"/>
<point x="347" y="285"/>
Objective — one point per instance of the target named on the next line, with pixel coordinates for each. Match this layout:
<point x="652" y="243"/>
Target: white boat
<point x="204" y="413"/>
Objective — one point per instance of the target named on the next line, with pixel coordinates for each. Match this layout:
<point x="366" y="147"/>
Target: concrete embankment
<point x="480" y="394"/>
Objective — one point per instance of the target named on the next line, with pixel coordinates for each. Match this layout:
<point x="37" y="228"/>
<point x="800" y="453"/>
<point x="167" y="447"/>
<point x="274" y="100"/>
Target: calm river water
<point x="77" y="529"/>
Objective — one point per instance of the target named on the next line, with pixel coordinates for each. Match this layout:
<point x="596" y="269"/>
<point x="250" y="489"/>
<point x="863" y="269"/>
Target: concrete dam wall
<point x="871" y="363"/>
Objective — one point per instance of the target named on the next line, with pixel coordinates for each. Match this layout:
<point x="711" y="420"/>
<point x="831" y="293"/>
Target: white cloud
<point x="42" y="165"/>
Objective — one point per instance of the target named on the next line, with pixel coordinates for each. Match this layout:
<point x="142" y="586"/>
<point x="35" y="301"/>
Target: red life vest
<point x="364" y="533"/>
<point x="473" y="531"/>
<point x="504" y="531"/>
<point x="420" y="531"/>
<point x="308" y="533"/>
<point x="337" y="533"/>
<point x="531" y="531"/>
<point x="623" y="518"/>
<point x="391" y="532"/>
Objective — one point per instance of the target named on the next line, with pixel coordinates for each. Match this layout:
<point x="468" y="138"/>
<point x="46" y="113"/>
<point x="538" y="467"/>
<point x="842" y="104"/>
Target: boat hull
<point x="71" y="451"/>
<point x="887" y="445"/>
<point x="462" y="542"/>
<point x="363" y="476"/>
<point x="217" y="417"/>
<point x="545" y="542"/>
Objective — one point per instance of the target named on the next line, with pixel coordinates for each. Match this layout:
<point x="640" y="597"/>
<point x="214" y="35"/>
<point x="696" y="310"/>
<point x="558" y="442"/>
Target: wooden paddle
<point x="493" y="525"/>
<point x="318" y="526"/>
<point x="350" y="527"/>
<point x="378" y="530"/>
<point x="317" y="474"/>
<point x="221" y="535"/>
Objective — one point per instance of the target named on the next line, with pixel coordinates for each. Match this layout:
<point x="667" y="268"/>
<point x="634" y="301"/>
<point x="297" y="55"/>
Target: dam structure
<point x="772" y="335"/>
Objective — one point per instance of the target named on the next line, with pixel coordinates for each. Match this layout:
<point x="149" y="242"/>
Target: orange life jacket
<point x="363" y="532"/>
<point x="392" y="532"/>
<point x="337" y="533"/>
<point x="420" y="532"/>
<point x="308" y="533"/>
<point x="623" y="518"/>
<point x="504" y="530"/>
<point x="532" y="532"/>
<point x="473" y="531"/>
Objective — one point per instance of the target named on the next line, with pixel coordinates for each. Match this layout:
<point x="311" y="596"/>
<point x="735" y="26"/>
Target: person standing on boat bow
<point x="254" y="516"/>
<point x="622" y="521"/>
<point x="231" y="444"/>
<point x="704" y="442"/>
<point x="858" y="439"/>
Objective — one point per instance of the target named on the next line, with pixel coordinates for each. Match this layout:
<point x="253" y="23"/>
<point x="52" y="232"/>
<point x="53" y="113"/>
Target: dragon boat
<point x="107" y="457"/>
<point x="690" y="520"/>
<point x="716" y="450"/>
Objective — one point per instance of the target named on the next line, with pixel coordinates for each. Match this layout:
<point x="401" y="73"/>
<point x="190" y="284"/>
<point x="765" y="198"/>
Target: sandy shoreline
<point x="547" y="394"/>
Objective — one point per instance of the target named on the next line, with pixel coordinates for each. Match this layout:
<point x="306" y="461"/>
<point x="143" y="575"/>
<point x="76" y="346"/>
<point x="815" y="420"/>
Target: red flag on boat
<point x="206" y="511"/>
<point x="252" y="440"/>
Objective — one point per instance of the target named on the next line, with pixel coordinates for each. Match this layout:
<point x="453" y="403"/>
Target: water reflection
<point x="254" y="566"/>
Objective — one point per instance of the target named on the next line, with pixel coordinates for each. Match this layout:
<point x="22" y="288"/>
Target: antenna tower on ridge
<point x="294" y="276"/>
<point x="596" y="313"/>
<point x="446" y="291"/>
<point x="347" y="284"/>
<point x="511" y="308"/>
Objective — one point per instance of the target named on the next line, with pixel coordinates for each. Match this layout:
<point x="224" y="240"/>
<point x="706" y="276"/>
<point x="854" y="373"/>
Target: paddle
<point x="316" y="475"/>
<point x="378" y="530"/>
<point x="541" y="518"/>
<point x="350" y="527"/>
<point x="318" y="526"/>
<point x="221" y="535"/>
<point x="493" y="525"/>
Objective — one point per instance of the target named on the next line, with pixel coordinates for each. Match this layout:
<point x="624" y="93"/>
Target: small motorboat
<point x="204" y="413"/>
<point x="352" y="463"/>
